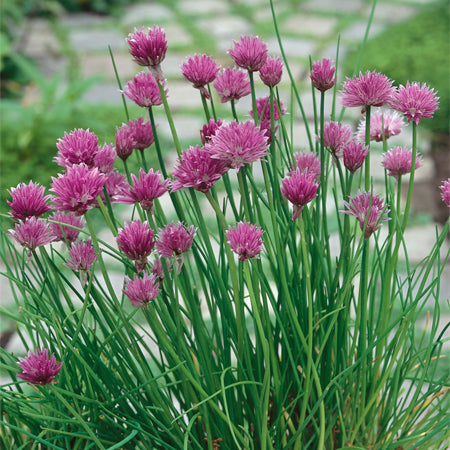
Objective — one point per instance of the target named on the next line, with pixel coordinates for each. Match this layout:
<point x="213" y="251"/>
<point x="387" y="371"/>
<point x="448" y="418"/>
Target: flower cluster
<point x="38" y="367"/>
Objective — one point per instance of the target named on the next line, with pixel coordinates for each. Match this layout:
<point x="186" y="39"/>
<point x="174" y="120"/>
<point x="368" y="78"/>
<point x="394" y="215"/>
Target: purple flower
<point x="149" y="49"/>
<point x="143" y="90"/>
<point x="144" y="189"/>
<point x="335" y="135"/>
<point x="387" y="122"/>
<point x="81" y="258"/>
<point x="64" y="233"/>
<point x="38" y="367"/>
<point x="245" y="240"/>
<point x="80" y="146"/>
<point x="232" y="84"/>
<point x="197" y="169"/>
<point x="31" y="233"/>
<point x="237" y="144"/>
<point x="141" y="291"/>
<point x="445" y="194"/>
<point x="209" y="130"/>
<point x="371" y="89"/>
<point x="105" y="158"/>
<point x="322" y="75"/>
<point x="174" y="240"/>
<point x="263" y="109"/>
<point x="200" y="70"/>
<point x="397" y="161"/>
<point x="76" y="189"/>
<point x="354" y="153"/>
<point x="124" y="141"/>
<point x="369" y="211"/>
<point x="299" y="188"/>
<point x="142" y="133"/>
<point x="115" y="184"/>
<point x="136" y="241"/>
<point x="415" y="101"/>
<point x="249" y="53"/>
<point x="271" y="72"/>
<point x="28" y="200"/>
<point x="308" y="163"/>
<point x="157" y="268"/>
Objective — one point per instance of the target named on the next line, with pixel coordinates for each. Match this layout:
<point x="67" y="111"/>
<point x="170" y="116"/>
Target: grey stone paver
<point x="202" y="7"/>
<point x="85" y="40"/>
<point x="317" y="26"/>
<point x="141" y="14"/>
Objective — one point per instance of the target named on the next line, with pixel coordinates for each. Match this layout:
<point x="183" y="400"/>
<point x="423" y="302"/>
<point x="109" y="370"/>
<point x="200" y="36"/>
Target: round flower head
<point x="38" y="367"/>
<point x="125" y="142"/>
<point x="115" y="184"/>
<point x="232" y="84"/>
<point x="64" y="233"/>
<point x="263" y="109"/>
<point x="245" y="240"/>
<point x="271" y="72"/>
<point x="80" y="146"/>
<point x="307" y="162"/>
<point x="200" y="70"/>
<point x="197" y="169"/>
<point x="415" y="101"/>
<point x="299" y="188"/>
<point x="158" y="270"/>
<point x="105" y="158"/>
<point x="371" y="89"/>
<point x="249" y="53"/>
<point x="144" y="189"/>
<point x="388" y="123"/>
<point x="322" y="75"/>
<point x="141" y="291"/>
<point x="28" y="200"/>
<point x="369" y="211"/>
<point x="76" y="189"/>
<point x="143" y="90"/>
<point x="209" y="130"/>
<point x="149" y="48"/>
<point x="142" y="133"/>
<point x="237" y="144"/>
<point x="354" y="153"/>
<point x="335" y="135"/>
<point x="135" y="240"/>
<point x="397" y="161"/>
<point x="445" y="194"/>
<point x="81" y="258"/>
<point x="31" y="233"/>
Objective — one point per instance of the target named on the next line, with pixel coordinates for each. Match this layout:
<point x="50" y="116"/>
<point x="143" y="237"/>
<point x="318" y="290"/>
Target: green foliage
<point x="415" y="50"/>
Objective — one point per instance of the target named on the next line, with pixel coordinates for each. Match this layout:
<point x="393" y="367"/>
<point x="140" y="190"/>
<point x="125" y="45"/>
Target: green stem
<point x="367" y="160"/>
<point x="411" y="176"/>
<point x="157" y="145"/>
<point x="170" y="119"/>
<point x="255" y="110"/>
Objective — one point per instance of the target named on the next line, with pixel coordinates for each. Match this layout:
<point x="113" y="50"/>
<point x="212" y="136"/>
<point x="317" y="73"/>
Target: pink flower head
<point x="237" y="144"/>
<point x="232" y="84"/>
<point x="197" y="169"/>
<point x="308" y="162"/>
<point x="323" y="75"/>
<point x="38" y="367"/>
<point x="124" y="141"/>
<point x="136" y="241"/>
<point x="371" y="89"/>
<point x="369" y="211"/>
<point x="81" y="258"/>
<point x="115" y="184"/>
<point x="354" y="153"/>
<point x="415" y="101"/>
<point x="299" y="188"/>
<point x="263" y="109"/>
<point x="149" y="49"/>
<point x="141" y="291"/>
<point x="387" y="122"/>
<point x="28" y="200"/>
<point x="249" y="53"/>
<point x="105" y="158"/>
<point x="397" y="161"/>
<point x="76" y="189"/>
<point x="245" y="240"/>
<point x="271" y="72"/>
<point x="31" y="233"/>
<point x="144" y="189"/>
<point x="143" y="90"/>
<point x="142" y="133"/>
<point x="158" y="270"/>
<point x="80" y="146"/>
<point x="200" y="70"/>
<point x="335" y="135"/>
<point x="175" y="239"/>
<point x="209" y="130"/>
<point x="445" y="194"/>
<point x="64" y="233"/>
